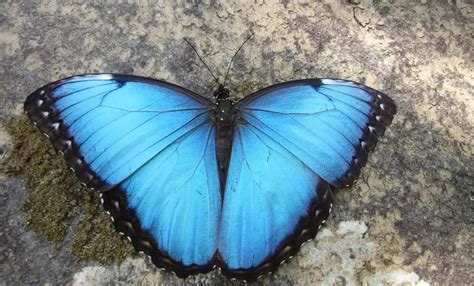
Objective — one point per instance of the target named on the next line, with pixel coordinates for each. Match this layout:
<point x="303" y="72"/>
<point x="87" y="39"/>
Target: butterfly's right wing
<point x="291" y="142"/>
<point x="150" y="146"/>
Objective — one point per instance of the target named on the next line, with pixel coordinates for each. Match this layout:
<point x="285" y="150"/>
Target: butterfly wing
<point x="292" y="141"/>
<point x="150" y="146"/>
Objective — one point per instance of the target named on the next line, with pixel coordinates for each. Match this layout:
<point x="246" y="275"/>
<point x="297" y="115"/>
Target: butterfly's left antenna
<point x="194" y="49"/>
<point x="231" y="60"/>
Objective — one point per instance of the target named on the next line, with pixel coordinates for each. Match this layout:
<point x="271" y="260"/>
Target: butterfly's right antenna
<point x="194" y="49"/>
<point x="230" y="64"/>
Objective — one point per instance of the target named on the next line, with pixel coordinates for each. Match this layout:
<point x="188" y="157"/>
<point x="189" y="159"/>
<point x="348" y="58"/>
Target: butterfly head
<point x="221" y="93"/>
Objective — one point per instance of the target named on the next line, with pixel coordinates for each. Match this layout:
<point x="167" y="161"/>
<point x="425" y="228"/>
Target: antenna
<point x="230" y="64"/>
<point x="194" y="49"/>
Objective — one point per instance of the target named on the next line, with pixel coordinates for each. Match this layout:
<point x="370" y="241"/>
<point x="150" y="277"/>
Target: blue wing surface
<point x="148" y="139"/>
<point x="290" y="141"/>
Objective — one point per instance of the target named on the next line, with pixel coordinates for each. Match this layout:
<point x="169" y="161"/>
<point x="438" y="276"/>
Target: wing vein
<point x="345" y="103"/>
<point x="156" y="142"/>
<point x="345" y="93"/>
<point x="304" y="127"/>
<point x="80" y="90"/>
<point x="186" y="134"/>
<point x="286" y="113"/>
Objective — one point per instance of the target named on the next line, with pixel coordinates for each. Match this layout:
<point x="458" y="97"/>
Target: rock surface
<point x="409" y="219"/>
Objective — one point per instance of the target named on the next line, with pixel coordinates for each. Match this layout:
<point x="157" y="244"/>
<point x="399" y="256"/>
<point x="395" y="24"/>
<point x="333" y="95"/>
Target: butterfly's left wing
<point x="291" y="142"/>
<point x="150" y="147"/>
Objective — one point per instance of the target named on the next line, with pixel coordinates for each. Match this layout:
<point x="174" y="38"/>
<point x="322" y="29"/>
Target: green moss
<point x="96" y="237"/>
<point x="57" y="197"/>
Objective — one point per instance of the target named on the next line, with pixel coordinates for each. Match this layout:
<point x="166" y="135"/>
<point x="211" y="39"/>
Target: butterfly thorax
<point x="225" y="108"/>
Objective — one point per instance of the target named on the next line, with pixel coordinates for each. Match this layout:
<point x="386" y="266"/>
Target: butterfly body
<point x="197" y="183"/>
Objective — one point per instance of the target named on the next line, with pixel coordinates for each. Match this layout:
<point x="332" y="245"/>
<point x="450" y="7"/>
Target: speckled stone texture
<point x="409" y="219"/>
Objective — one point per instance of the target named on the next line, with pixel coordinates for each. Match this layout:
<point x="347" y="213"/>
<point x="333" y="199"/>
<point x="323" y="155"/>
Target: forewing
<point x="330" y="125"/>
<point x="150" y="146"/>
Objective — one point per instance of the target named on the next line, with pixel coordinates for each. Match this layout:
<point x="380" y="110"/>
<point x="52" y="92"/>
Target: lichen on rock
<point x="57" y="198"/>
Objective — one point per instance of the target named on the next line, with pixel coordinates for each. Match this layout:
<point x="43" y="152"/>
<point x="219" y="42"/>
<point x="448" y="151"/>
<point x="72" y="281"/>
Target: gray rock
<point x="409" y="219"/>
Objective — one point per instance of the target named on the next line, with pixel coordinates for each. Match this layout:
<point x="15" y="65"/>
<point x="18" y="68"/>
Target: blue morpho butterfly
<point x="197" y="183"/>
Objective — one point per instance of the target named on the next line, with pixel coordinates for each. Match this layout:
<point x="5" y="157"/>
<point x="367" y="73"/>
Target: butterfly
<point x="197" y="183"/>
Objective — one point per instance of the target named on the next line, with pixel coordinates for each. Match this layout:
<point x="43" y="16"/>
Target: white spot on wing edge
<point x="55" y="125"/>
<point x="88" y="76"/>
<point x="104" y="76"/>
<point x="336" y="81"/>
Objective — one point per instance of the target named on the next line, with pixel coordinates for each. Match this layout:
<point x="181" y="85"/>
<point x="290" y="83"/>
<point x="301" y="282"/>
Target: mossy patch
<point x="97" y="239"/>
<point x="57" y="197"/>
